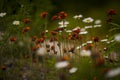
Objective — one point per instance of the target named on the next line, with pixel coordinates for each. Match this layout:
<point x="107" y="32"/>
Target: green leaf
<point x="114" y="24"/>
<point x="113" y="29"/>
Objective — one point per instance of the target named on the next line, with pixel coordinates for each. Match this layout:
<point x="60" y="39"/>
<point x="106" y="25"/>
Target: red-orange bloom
<point x="112" y="12"/>
<point x="26" y="20"/>
<point x="27" y="28"/>
<point x="62" y="15"/>
<point x="40" y="40"/>
<point x="44" y="14"/>
<point x="13" y="39"/>
<point x="54" y="17"/>
<point x="54" y="32"/>
<point x="34" y="38"/>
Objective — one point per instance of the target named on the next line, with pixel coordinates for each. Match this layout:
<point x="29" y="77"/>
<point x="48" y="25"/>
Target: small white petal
<point x="41" y="51"/>
<point x="113" y="73"/>
<point x="104" y="40"/>
<point x="61" y="64"/>
<point x="85" y="32"/>
<point x="117" y="37"/>
<point x="73" y="70"/>
<point x="89" y="41"/>
<point x="97" y="21"/>
<point x="16" y="23"/>
<point x="88" y="20"/>
<point x="86" y="27"/>
<point x="85" y="53"/>
<point x="95" y="26"/>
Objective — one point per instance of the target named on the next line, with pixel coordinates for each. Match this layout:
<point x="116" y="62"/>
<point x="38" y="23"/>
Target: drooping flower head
<point x="62" y="15"/>
<point x="44" y="14"/>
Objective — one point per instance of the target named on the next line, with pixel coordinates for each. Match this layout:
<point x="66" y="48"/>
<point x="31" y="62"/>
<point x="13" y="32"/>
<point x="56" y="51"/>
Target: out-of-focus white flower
<point x="86" y="27"/>
<point x="41" y="51"/>
<point x="113" y="73"/>
<point x="3" y="14"/>
<point x="98" y="21"/>
<point x="63" y="23"/>
<point x="78" y="47"/>
<point x="89" y="41"/>
<point x="82" y="29"/>
<point x="104" y="40"/>
<point x="84" y="44"/>
<point x="46" y="31"/>
<point x="61" y="64"/>
<point x="85" y="32"/>
<point x="88" y="20"/>
<point x="85" y="53"/>
<point x="21" y="43"/>
<point x="77" y="16"/>
<point x="62" y="26"/>
<point x="76" y="28"/>
<point x="117" y="37"/>
<point x="98" y="25"/>
<point x="73" y="70"/>
<point x="16" y="22"/>
<point x="69" y="31"/>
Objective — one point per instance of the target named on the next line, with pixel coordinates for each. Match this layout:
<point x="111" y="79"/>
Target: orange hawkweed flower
<point x="40" y="40"/>
<point x="27" y="28"/>
<point x="34" y="38"/>
<point x="34" y="48"/>
<point x="53" y="39"/>
<point x="62" y="15"/>
<point x="54" y="32"/>
<point x="13" y="39"/>
<point x="54" y="17"/>
<point x="44" y="14"/>
<point x="95" y="39"/>
<point x="65" y="58"/>
<point x="52" y="47"/>
<point x="112" y="12"/>
<point x="26" y="20"/>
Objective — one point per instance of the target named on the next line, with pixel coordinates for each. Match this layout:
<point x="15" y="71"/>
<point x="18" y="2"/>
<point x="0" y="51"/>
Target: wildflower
<point x="2" y="14"/>
<point x="16" y="23"/>
<point x="89" y="42"/>
<point x="113" y="72"/>
<point x="76" y="30"/>
<point x="13" y="39"/>
<point x="34" y="38"/>
<point x="78" y="47"/>
<point x="54" y="32"/>
<point x="40" y="40"/>
<point x="88" y="20"/>
<point x="41" y="51"/>
<point x="117" y="38"/>
<point x="44" y="14"/>
<point x="104" y="40"/>
<point x="112" y="12"/>
<point x="77" y="16"/>
<point x="63" y="23"/>
<point x="95" y="39"/>
<point x="85" y="53"/>
<point x="97" y="21"/>
<point x="87" y="27"/>
<point x="73" y="70"/>
<point x="85" y="32"/>
<point x="61" y="64"/>
<point x="35" y="47"/>
<point x="95" y="26"/>
<point x="62" y="15"/>
<point x="54" y="17"/>
<point x="72" y="50"/>
<point x="65" y="58"/>
<point x="26" y="20"/>
<point x="69" y="31"/>
<point x="26" y="29"/>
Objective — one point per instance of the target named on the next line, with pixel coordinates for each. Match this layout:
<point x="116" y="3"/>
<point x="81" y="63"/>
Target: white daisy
<point x="16" y="22"/>
<point x="85" y="32"/>
<point x="113" y="73"/>
<point x="85" y="53"/>
<point x="63" y="23"/>
<point x="73" y="70"/>
<point x="77" y="16"/>
<point x="2" y="14"/>
<point x="104" y="40"/>
<point x="98" y="25"/>
<point x="87" y="27"/>
<point x="41" y="51"/>
<point x="76" y="28"/>
<point x="78" y="47"/>
<point x="89" y="41"/>
<point x="88" y="20"/>
<point x="117" y="38"/>
<point x="61" y="64"/>
<point x="98" y="21"/>
<point x="69" y="31"/>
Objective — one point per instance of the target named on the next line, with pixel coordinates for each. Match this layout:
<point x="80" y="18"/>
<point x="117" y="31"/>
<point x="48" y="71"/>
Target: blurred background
<point x="20" y="9"/>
